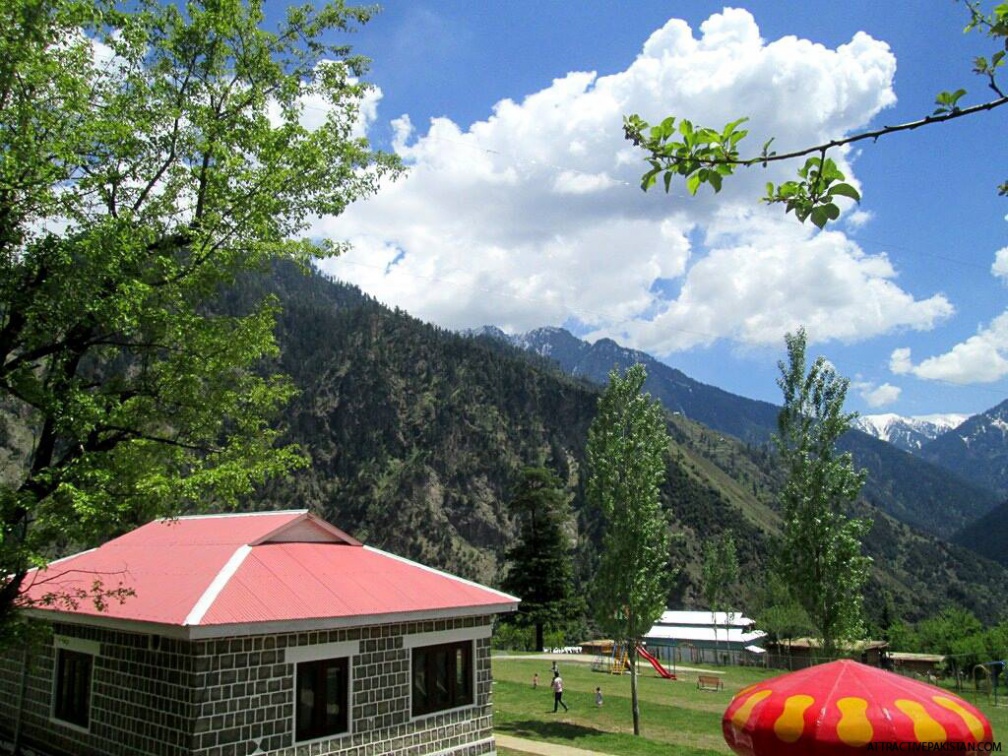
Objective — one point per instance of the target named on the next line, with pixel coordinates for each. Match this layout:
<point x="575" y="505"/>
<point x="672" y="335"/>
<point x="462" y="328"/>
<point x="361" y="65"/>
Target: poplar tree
<point x="627" y="454"/>
<point x="720" y="571"/>
<point x="820" y="559"/>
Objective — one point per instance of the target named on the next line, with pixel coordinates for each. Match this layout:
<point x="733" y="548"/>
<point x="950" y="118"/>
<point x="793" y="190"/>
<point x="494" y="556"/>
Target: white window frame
<point x="322" y="652"/>
<point x="91" y="648"/>
<point x="438" y="638"/>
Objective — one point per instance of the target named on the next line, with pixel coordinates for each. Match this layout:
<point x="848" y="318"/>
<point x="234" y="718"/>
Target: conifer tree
<point x="542" y="572"/>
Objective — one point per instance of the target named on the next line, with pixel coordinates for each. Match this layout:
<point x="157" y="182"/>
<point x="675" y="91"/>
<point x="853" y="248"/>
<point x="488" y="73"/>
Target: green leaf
<point x="830" y="172"/>
<point x="822" y="214"/>
<point x="947" y="101"/>
<point x="730" y="127"/>
<point x="845" y="190"/>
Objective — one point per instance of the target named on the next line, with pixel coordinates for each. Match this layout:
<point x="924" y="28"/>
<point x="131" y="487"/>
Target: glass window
<point x="73" y="687"/>
<point x="321" y="704"/>
<point x="442" y="677"/>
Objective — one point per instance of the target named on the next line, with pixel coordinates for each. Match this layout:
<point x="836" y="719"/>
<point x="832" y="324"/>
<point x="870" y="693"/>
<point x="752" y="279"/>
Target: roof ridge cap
<point x="213" y="590"/>
<point x="211" y="515"/>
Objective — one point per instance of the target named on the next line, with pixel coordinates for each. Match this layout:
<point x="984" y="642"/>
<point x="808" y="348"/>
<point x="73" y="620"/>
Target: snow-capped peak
<point x="908" y="433"/>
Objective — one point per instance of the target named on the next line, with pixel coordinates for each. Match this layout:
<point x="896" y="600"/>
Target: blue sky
<point x="522" y="206"/>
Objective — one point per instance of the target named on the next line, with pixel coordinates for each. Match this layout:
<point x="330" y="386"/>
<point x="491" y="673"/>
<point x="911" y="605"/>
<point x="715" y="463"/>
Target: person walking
<point x="558" y="692"/>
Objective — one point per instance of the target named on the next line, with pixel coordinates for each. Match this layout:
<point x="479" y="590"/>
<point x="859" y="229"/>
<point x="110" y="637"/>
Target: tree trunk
<point x="539" y="636"/>
<point x="633" y="688"/>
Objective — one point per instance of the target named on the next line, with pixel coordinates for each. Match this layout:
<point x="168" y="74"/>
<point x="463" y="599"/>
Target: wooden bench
<point x="709" y="682"/>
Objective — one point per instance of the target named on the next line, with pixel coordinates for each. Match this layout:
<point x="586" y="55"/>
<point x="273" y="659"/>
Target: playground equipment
<point x="617" y="661"/>
<point x="656" y="664"/>
<point x="614" y="659"/>
<point x="620" y="661"/>
<point x="986" y="676"/>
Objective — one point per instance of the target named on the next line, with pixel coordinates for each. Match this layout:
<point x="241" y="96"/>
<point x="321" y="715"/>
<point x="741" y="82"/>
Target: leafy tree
<point x="955" y="633"/>
<point x="820" y="559"/>
<point x="960" y="637"/>
<point x="778" y="613"/>
<point x="627" y="450"/>
<point x="720" y="571"/>
<point x="148" y="156"/>
<point x="901" y="636"/>
<point x="678" y="148"/>
<point x="542" y="569"/>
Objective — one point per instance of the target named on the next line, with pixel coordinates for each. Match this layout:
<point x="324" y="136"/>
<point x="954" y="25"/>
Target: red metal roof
<point x="227" y="574"/>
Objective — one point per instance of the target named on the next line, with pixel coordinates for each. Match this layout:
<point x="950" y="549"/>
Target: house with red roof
<point x="251" y="634"/>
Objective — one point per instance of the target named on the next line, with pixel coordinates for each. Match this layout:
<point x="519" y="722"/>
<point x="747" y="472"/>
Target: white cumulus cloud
<point x="1000" y="267"/>
<point x="876" y="396"/>
<point x="534" y="216"/>
<point x="982" y="358"/>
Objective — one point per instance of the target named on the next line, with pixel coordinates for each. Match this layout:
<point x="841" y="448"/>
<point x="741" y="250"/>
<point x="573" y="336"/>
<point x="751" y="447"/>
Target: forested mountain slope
<point x="988" y="536"/>
<point x="977" y="449"/>
<point x="919" y="491"/>
<point x="416" y="435"/>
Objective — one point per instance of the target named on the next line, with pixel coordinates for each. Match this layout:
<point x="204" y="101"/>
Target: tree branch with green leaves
<point x="676" y="148"/>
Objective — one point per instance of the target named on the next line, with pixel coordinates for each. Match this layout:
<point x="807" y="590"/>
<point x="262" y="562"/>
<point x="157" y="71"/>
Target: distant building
<point x="799" y="653"/>
<point x="703" y="637"/>
<point x="254" y="634"/>
<point x="919" y="665"/>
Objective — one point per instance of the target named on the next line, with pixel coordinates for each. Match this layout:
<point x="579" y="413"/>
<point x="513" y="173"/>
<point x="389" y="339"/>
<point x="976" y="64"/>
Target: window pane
<point x="321" y="703"/>
<point x="463" y="675"/>
<point x="73" y="687"/>
<point x="335" y="711"/>
<point x="420" y="702"/>
<point x="442" y="677"/>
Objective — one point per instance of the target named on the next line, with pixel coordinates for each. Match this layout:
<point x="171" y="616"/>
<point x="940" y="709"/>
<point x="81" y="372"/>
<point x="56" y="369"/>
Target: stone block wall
<point x="226" y="697"/>
<point x="248" y="696"/>
<point x="141" y="696"/>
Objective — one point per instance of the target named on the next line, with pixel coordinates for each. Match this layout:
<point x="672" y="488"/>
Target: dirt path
<point x="540" y="748"/>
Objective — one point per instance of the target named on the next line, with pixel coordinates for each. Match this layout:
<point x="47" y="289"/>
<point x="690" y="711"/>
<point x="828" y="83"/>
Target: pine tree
<point x="541" y="572"/>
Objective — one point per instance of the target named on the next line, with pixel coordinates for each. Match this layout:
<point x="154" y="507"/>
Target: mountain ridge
<point x="910" y="433"/>
<point x="914" y="490"/>
<point x="977" y="448"/>
<point x="416" y="436"/>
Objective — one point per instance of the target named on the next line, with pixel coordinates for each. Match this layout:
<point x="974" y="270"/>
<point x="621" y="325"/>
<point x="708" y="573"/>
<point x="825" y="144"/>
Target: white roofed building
<point x="703" y="637"/>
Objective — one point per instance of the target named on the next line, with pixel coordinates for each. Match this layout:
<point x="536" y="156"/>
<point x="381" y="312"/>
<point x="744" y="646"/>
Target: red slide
<point x="656" y="664"/>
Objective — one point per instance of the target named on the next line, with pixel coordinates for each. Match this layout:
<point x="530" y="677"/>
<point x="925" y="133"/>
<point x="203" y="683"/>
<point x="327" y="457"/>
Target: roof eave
<point x="210" y="632"/>
<point x="341" y="623"/>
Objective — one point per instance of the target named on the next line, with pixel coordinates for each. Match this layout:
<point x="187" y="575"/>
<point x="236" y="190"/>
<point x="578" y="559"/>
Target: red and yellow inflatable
<point x="841" y="707"/>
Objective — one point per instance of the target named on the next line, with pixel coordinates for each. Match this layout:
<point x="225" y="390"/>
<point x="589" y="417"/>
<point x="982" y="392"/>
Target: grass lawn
<point x="672" y="713"/>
